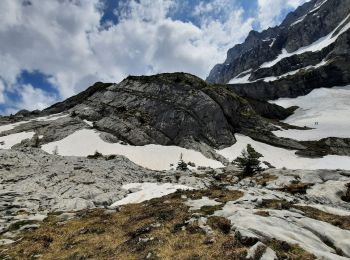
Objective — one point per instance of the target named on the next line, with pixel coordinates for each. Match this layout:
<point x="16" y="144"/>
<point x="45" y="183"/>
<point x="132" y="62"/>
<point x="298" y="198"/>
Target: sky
<point x="53" y="49"/>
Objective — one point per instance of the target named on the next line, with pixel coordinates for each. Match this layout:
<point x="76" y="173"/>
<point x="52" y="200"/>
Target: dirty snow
<point x="147" y="190"/>
<point x="329" y="107"/>
<point x="156" y="157"/>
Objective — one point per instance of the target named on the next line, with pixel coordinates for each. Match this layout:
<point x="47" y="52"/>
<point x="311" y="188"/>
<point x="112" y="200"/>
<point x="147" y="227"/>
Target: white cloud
<point x="33" y="98"/>
<point x="270" y="10"/>
<point x="64" y="39"/>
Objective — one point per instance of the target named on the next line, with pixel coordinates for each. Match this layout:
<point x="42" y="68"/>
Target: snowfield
<point x="329" y="107"/>
<point x="280" y="157"/>
<point x="6" y="142"/>
<point x="156" y="157"/>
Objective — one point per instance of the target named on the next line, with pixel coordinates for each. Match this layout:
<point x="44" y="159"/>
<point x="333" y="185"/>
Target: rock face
<point x="169" y="109"/>
<point x="308" y="50"/>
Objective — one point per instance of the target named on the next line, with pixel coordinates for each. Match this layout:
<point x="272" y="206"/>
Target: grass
<point x="342" y="222"/>
<point x="155" y="229"/>
<point x="134" y="232"/>
<point x="264" y="178"/>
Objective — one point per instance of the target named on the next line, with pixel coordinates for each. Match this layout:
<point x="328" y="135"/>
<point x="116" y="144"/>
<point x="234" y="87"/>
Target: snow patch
<point x="148" y="191"/>
<point x="329" y="107"/>
<point x="280" y="157"/>
<point x="273" y="78"/>
<point x="6" y="142"/>
<point x="156" y="157"/>
<point x="241" y="78"/>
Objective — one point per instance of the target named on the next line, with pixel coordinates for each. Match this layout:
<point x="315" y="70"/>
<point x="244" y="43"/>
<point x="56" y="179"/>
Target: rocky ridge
<point x="166" y="109"/>
<point x="308" y="50"/>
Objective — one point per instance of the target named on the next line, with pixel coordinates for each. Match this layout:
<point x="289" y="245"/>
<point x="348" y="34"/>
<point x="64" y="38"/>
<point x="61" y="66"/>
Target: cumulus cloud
<point x="270" y="10"/>
<point x="65" y="40"/>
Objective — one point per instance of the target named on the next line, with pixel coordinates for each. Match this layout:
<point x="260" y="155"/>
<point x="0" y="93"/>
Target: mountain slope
<point x="310" y="48"/>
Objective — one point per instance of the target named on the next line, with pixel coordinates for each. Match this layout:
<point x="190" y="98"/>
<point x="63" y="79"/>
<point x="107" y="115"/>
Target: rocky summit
<point x="308" y="50"/>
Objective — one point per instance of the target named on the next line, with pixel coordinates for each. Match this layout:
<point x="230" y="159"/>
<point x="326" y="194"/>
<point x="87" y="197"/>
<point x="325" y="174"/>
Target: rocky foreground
<point x="55" y="207"/>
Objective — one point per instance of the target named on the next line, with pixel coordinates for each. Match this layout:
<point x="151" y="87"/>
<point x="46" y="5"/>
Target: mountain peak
<point x="308" y="25"/>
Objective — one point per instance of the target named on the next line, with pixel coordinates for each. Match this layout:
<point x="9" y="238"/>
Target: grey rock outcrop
<point x="169" y="109"/>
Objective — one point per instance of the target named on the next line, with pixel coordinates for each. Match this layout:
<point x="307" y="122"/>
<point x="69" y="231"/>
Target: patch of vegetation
<point x="264" y="179"/>
<point x="346" y="196"/>
<point x="135" y="231"/>
<point x="288" y="251"/>
<point x="275" y="204"/>
<point x="262" y="213"/>
<point x="217" y="193"/>
<point x="342" y="222"/>
<point x="155" y="229"/>
<point x="296" y="188"/>
<point x="96" y="155"/>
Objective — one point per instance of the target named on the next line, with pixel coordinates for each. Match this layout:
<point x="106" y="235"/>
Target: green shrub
<point x="249" y="161"/>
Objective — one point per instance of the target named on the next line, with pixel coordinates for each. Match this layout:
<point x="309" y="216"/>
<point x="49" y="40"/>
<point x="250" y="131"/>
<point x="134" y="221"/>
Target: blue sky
<point x="50" y="50"/>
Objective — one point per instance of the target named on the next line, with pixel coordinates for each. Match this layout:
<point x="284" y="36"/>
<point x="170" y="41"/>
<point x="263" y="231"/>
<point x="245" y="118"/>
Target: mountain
<point x="97" y="175"/>
<point x="176" y="109"/>
<point x="308" y="50"/>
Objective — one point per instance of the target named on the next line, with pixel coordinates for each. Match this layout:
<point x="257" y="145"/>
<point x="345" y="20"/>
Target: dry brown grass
<point x="295" y="188"/>
<point x="339" y="221"/>
<point x="157" y="229"/>
<point x="287" y="251"/>
<point x="152" y="228"/>
<point x="264" y="179"/>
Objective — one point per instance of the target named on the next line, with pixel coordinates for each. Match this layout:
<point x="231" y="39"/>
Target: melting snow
<point x="298" y="21"/>
<point x="329" y="107"/>
<point x="239" y="79"/>
<point x="147" y="190"/>
<point x="157" y="157"/>
<point x="280" y="157"/>
<point x="273" y="78"/>
<point x="13" y="139"/>
<point x="316" y="46"/>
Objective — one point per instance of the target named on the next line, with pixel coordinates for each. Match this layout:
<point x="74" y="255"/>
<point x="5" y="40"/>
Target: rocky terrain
<point x="78" y="208"/>
<point x="308" y="50"/>
<point x="97" y="176"/>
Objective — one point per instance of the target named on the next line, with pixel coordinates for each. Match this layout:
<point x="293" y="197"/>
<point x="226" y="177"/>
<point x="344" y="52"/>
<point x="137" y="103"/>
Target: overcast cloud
<point x="67" y="42"/>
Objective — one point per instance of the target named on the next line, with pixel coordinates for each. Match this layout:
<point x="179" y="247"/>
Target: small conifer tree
<point x="181" y="165"/>
<point x="249" y="161"/>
